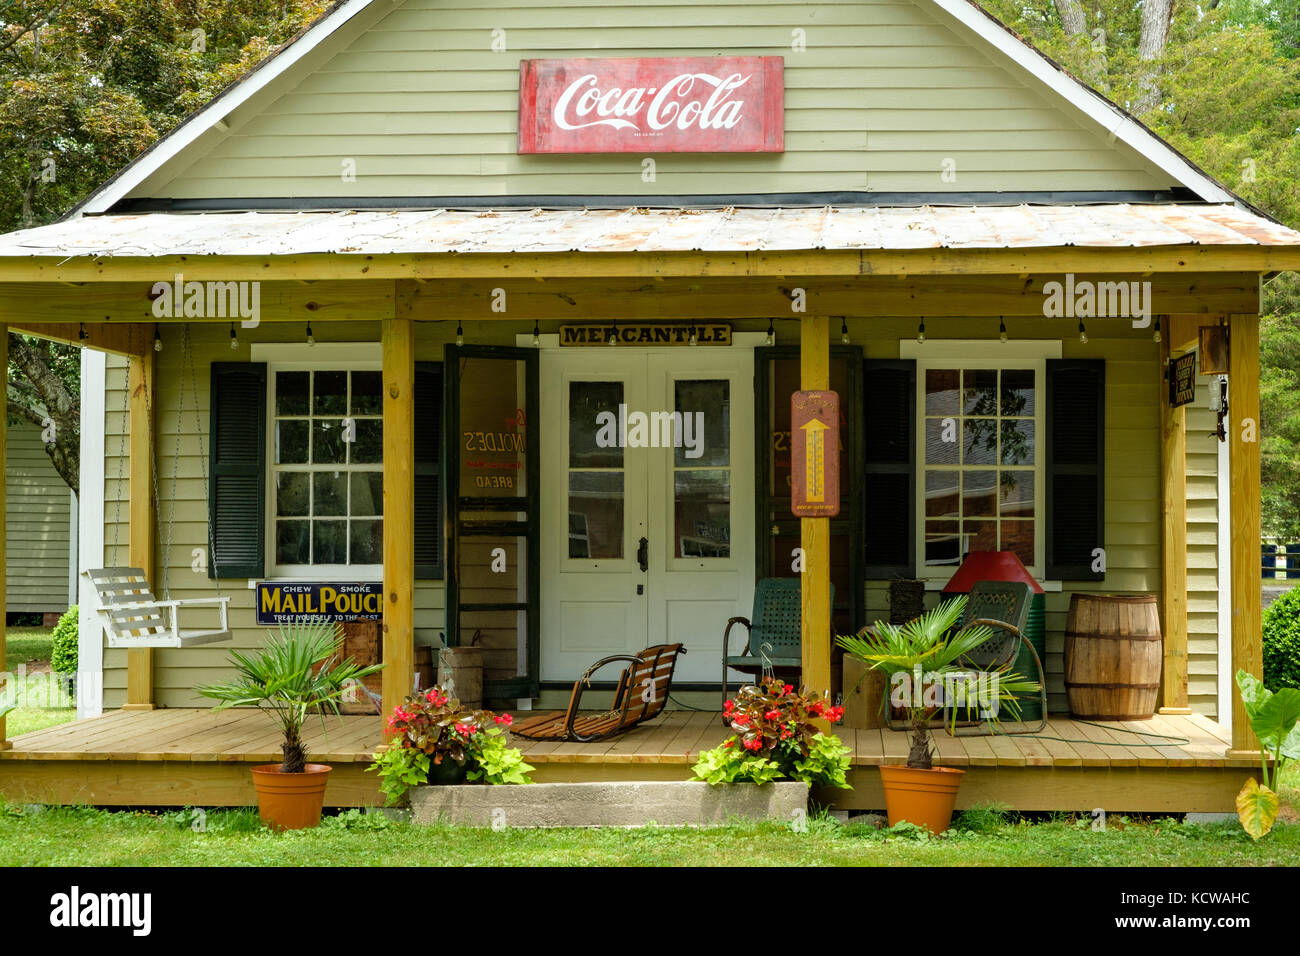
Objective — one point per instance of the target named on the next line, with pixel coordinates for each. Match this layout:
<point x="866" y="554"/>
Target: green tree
<point x="85" y="87"/>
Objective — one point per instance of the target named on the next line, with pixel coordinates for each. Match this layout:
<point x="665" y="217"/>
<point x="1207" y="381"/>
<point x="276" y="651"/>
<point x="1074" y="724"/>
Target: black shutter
<point x="428" y="470"/>
<point x="1075" y="496"/>
<point x="889" y="493"/>
<point x="237" y="466"/>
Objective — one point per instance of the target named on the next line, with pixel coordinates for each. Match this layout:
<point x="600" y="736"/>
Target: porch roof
<point x="649" y="230"/>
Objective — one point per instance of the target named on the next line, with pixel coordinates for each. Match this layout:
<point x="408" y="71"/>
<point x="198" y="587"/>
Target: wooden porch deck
<point x="182" y="757"/>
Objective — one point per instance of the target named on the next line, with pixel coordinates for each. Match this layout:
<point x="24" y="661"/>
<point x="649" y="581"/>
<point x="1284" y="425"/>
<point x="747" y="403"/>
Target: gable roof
<point x="1117" y="123"/>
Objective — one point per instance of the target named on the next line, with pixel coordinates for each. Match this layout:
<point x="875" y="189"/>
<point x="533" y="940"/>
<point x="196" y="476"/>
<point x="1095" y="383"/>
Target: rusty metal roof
<point x="649" y="230"/>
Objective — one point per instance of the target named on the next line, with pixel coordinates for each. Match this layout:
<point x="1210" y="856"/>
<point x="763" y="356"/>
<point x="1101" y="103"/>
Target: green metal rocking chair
<point x="1003" y="606"/>
<point x="774" y="642"/>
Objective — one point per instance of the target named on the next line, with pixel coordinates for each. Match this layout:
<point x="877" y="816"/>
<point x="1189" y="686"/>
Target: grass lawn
<point x="87" y="837"/>
<point x="39" y="704"/>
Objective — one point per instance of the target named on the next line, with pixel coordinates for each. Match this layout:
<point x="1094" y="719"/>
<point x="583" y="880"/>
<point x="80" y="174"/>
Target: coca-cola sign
<point x="722" y="104"/>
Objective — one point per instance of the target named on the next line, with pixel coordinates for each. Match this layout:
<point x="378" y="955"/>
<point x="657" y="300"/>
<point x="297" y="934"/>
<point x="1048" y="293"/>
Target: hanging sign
<point x="285" y="602"/>
<point x="1182" y="380"/>
<point x="645" y="334"/>
<point x="815" y="454"/>
<point x="709" y="104"/>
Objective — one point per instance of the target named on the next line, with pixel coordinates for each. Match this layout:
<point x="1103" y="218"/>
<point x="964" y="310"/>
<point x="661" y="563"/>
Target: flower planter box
<point x="627" y="804"/>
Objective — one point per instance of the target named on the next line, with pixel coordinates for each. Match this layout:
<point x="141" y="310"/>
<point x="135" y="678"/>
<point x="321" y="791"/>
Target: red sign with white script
<point x="713" y="104"/>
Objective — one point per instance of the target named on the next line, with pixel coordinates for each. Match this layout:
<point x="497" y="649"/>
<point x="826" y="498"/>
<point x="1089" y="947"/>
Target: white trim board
<point x="90" y="534"/>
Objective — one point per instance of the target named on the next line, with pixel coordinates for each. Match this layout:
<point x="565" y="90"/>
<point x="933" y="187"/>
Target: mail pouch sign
<point x="724" y="104"/>
<point x="290" y="602"/>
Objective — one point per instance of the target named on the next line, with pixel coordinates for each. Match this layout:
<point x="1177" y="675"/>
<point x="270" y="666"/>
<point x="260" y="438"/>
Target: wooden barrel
<point x="1113" y="655"/>
<point x="460" y="672"/>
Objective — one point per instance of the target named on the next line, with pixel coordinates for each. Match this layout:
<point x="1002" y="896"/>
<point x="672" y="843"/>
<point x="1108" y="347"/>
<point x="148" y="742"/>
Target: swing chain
<point x="187" y="354"/>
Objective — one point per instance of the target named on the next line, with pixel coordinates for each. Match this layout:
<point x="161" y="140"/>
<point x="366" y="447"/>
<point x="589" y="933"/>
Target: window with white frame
<point x="980" y="457"/>
<point x="326" y="475"/>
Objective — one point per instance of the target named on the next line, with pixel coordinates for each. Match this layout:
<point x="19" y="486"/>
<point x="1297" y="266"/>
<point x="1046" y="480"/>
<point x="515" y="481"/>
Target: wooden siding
<point x="38" y="529"/>
<point x="885" y="93"/>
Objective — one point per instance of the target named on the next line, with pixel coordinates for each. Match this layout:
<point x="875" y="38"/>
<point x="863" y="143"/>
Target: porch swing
<point x="128" y="610"/>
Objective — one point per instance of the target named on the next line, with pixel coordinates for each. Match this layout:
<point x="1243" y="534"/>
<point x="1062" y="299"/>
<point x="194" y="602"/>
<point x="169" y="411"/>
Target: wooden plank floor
<point x="177" y="757"/>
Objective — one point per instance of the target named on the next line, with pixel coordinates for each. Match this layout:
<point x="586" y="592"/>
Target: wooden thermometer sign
<point x="815" y="454"/>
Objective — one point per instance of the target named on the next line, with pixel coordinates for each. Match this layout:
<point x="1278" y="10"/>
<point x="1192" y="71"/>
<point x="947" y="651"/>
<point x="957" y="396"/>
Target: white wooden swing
<point x="128" y="610"/>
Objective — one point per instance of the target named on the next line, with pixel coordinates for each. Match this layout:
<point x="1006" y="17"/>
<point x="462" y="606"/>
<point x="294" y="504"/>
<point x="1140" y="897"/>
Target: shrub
<point x="63" y="655"/>
<point x="1282" y="641"/>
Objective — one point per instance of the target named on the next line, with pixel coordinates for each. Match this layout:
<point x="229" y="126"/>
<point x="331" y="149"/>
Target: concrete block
<point x="621" y="804"/>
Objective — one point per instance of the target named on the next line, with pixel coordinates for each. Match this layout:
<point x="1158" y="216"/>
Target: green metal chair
<point x="774" y="631"/>
<point x="1003" y="606"/>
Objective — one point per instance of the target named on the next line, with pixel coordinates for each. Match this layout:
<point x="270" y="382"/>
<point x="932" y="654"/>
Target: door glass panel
<point x="701" y="472"/>
<point x="702" y="513"/>
<point x="595" y="514"/>
<point x="594" y="425"/>
<point x="493" y="437"/>
<point x="704" y="422"/>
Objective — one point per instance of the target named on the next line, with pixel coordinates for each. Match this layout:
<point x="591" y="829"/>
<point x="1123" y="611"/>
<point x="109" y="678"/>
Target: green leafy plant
<point x="922" y="660"/>
<point x="63" y="654"/>
<point x="432" y="728"/>
<point x="1282" y="641"/>
<point x="776" y="739"/>
<point x="1273" y="717"/>
<point x="298" y="670"/>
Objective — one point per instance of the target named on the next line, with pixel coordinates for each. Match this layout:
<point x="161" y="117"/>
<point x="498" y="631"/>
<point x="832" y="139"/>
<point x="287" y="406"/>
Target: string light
<point x="460" y="334"/>
<point x="844" y="331"/>
<point x="311" y="339"/>
<point x="693" y="339"/>
<point x="1002" y="329"/>
<point x="1156" y="336"/>
<point x="537" y="334"/>
<point x="157" y="340"/>
<point x="1083" y="333"/>
<point x="771" y="333"/>
<point x="234" y="339"/>
<point x="920" y="331"/>
<point x="612" y="338"/>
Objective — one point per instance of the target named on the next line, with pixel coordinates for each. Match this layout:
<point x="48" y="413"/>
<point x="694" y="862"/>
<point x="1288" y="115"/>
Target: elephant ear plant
<point x="298" y="669"/>
<point x="1273" y="716"/>
<point x="923" y="661"/>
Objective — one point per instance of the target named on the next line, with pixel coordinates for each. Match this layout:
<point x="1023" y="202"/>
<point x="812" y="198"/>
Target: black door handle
<point x="643" y="554"/>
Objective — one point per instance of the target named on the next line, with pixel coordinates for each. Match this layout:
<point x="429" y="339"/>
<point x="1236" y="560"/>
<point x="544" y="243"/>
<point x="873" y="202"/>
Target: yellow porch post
<point x="1244" y="509"/>
<point x="399" y="510"/>
<point x="140" y="386"/>
<point x="814" y="367"/>
<point x="4" y="564"/>
<point x="1173" y="588"/>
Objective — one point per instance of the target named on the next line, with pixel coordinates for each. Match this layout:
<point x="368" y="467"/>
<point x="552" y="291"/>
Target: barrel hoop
<point x="1113" y="637"/>
<point x="1069" y="684"/>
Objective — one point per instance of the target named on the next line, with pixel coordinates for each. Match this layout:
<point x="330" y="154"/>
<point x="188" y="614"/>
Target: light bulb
<point x="1156" y="336"/>
<point x="844" y="332"/>
<point x="460" y="334"/>
<point x="693" y="340"/>
<point x="234" y="340"/>
<point x="613" y="337"/>
<point x="1002" y="330"/>
<point x="311" y="339"/>
<point x="920" y="332"/>
<point x="1083" y="333"/>
<point x="771" y="333"/>
<point x="157" y="341"/>
<point x="537" y="334"/>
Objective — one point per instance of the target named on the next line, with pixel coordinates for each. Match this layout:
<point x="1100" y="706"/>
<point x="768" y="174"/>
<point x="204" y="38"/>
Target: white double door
<point x="647" y="504"/>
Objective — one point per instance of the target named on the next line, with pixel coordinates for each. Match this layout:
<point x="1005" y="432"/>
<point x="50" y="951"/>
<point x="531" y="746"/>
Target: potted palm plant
<point x="922" y="660"/>
<point x="299" y="669"/>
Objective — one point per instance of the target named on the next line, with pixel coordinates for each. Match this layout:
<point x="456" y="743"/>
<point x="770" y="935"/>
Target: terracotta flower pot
<point x="923" y="797"/>
<point x="290" y="801"/>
